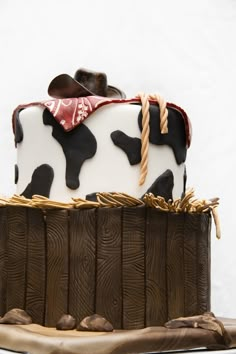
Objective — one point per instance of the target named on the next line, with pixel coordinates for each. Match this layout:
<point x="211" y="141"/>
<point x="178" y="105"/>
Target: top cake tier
<point x="76" y="147"/>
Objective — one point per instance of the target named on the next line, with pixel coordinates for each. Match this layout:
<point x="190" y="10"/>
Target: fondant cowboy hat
<point x="84" y="83"/>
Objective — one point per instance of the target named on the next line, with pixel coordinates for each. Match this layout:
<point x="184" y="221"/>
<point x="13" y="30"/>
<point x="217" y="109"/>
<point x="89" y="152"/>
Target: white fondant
<point x="108" y="171"/>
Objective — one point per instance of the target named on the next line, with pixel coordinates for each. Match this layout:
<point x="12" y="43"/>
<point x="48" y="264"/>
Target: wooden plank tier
<point x="136" y="266"/>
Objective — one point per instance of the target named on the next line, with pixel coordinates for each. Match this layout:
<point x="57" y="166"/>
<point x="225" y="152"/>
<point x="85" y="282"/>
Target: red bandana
<point x="70" y="112"/>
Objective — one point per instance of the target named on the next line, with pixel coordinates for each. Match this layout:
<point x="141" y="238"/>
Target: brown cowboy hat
<point x="84" y="83"/>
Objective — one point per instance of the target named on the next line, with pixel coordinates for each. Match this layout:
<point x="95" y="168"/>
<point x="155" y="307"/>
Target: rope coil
<point x="145" y="98"/>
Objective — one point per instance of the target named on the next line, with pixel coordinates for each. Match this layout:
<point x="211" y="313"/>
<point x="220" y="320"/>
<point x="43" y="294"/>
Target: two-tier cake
<point x="102" y="223"/>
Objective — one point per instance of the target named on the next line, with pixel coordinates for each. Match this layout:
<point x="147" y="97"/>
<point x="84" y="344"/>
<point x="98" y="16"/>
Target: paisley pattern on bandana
<point x="70" y="112"/>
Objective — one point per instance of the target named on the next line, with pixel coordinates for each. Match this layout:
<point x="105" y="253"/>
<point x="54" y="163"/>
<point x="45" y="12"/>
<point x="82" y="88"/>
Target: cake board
<point x="36" y="339"/>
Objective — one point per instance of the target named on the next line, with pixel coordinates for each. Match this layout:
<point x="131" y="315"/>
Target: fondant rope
<point x="163" y="112"/>
<point x="146" y="129"/>
<point x="188" y="204"/>
<point x="144" y="136"/>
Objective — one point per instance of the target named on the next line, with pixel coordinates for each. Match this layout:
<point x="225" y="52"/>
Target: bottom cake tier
<point x="136" y="266"/>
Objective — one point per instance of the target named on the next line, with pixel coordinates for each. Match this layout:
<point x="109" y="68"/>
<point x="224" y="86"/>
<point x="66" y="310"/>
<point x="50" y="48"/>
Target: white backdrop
<point x="183" y="49"/>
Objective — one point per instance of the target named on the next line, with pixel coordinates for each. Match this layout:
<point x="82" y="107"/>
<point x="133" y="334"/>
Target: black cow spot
<point x="163" y="186"/>
<point x="41" y="182"/>
<point x="78" y="145"/>
<point x="92" y="197"/>
<point x="131" y="146"/>
<point x="175" y="138"/>
<point x="185" y="182"/>
<point x="18" y="128"/>
<point x="16" y="173"/>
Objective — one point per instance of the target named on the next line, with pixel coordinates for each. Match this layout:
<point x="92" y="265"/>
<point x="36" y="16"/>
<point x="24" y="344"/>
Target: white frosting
<point x="108" y="171"/>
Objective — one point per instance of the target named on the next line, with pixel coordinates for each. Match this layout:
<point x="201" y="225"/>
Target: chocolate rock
<point x="16" y="316"/>
<point x="205" y="321"/>
<point x="95" y="323"/>
<point x="66" y="322"/>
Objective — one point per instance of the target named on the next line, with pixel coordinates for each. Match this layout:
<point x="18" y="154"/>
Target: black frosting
<point x="78" y="145"/>
<point x="16" y="173"/>
<point x="163" y="185"/>
<point x="18" y="128"/>
<point x="131" y="146"/>
<point x="92" y="197"/>
<point x="175" y="138"/>
<point x="41" y="182"/>
<point x="185" y="181"/>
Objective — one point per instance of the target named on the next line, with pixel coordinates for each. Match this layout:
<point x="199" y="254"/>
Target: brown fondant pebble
<point x="95" y="323"/>
<point x="66" y="322"/>
<point x="16" y="316"/>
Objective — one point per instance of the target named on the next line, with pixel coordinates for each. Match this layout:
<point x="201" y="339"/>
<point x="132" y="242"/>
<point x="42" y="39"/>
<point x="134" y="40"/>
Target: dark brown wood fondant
<point x="82" y="258"/>
<point x="156" y="274"/>
<point x="3" y="259"/>
<point x="16" y="257"/>
<point x="57" y="260"/>
<point x="133" y="250"/>
<point x="190" y="261"/>
<point x="36" y="265"/>
<point x="136" y="266"/>
<point x="109" y="267"/>
<point x="203" y="263"/>
<point x="175" y="265"/>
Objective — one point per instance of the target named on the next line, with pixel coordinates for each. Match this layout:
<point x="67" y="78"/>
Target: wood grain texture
<point x="133" y="267"/>
<point x="136" y="266"/>
<point x="3" y="259"/>
<point x="36" y="265"/>
<point x="109" y="267"/>
<point x="82" y="284"/>
<point x="203" y="262"/>
<point x="156" y="290"/>
<point x="191" y="231"/>
<point x="17" y="257"/>
<point x="175" y="265"/>
<point x="57" y="265"/>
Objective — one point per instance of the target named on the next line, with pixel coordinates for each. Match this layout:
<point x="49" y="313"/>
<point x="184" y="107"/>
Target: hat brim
<point x="65" y="86"/>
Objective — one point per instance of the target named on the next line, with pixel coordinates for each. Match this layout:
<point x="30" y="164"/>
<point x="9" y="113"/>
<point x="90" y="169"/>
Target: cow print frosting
<point x="185" y="181"/>
<point x="41" y="182"/>
<point x="78" y="145"/>
<point x="92" y="197"/>
<point x="16" y="173"/>
<point x="131" y="146"/>
<point x="163" y="186"/>
<point x="175" y="138"/>
<point x="18" y="128"/>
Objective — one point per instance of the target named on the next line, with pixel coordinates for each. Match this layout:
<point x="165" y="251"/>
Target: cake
<point x="85" y="137"/>
<point x="102" y="222"/>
